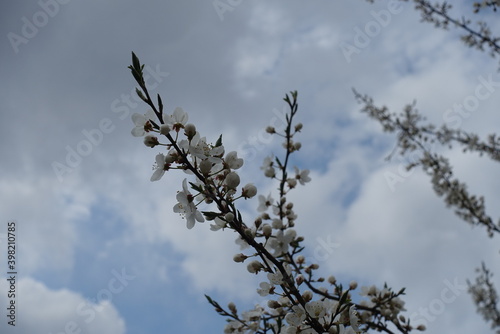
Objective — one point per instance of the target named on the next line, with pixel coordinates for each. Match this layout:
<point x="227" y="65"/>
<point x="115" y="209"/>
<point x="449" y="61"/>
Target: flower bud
<point x="240" y="257"/>
<point x="270" y="172"/>
<point x="307" y="295"/>
<point x="291" y="183"/>
<point x="297" y="146"/>
<point x="270" y="130"/>
<point x="151" y="141"/>
<point x="421" y="327"/>
<point x="249" y="233"/>
<point x="277" y="223"/>
<point x="232" y="308"/>
<point x="332" y="280"/>
<point x="205" y="167"/>
<point x="190" y="130"/>
<point x="273" y="304"/>
<point x="249" y="191"/>
<point x="229" y="217"/>
<point x="232" y="180"/>
<point x="298" y="127"/>
<point x="254" y="267"/>
<point x="258" y="222"/>
<point x="165" y="129"/>
<point x="353" y="285"/>
<point x="299" y="279"/>
<point x="267" y="230"/>
<point x="300" y="259"/>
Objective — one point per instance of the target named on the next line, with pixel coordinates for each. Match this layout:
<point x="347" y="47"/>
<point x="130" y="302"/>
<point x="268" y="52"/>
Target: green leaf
<point x="137" y="76"/>
<point x="278" y="162"/>
<point x="210" y="215"/>
<point x="136" y="63"/>
<point x="160" y="104"/>
<point x="139" y="93"/>
<point x="196" y="187"/>
<point x="219" y="141"/>
<point x="343" y="299"/>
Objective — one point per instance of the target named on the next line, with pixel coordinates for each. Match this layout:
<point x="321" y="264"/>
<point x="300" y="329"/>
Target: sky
<point x="98" y="247"/>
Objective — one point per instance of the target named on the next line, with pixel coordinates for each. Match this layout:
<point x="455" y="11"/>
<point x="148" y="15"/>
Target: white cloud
<point x="40" y="309"/>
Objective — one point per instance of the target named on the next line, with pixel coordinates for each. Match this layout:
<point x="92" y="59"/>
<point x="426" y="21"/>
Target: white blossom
<point x="302" y="176"/>
<point x="187" y="207"/>
<point x="264" y="202"/>
<point x="232" y="161"/>
<point x="142" y="123"/>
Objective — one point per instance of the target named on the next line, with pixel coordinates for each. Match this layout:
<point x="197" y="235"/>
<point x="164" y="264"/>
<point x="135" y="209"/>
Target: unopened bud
<point x="232" y="308"/>
<point x="205" y="167"/>
<point x="190" y="130"/>
<point x="165" y="129"/>
<point x="299" y="279"/>
<point x="270" y="172"/>
<point x="300" y="259"/>
<point x="297" y="146"/>
<point x="249" y="191"/>
<point x="151" y="141"/>
<point x="267" y="230"/>
<point x="291" y="183"/>
<point x="353" y="285"/>
<point x="298" y="127"/>
<point x="332" y="280"/>
<point x="270" y="130"/>
<point x="254" y="267"/>
<point x="232" y="180"/>
<point x="273" y="304"/>
<point x="229" y="217"/>
<point x="258" y="222"/>
<point x="240" y="257"/>
<point x="277" y="223"/>
<point x="307" y="295"/>
<point x="249" y="233"/>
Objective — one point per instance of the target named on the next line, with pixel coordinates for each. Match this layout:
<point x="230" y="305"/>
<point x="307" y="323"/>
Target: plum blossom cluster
<point x="188" y="151"/>
<point x="299" y="301"/>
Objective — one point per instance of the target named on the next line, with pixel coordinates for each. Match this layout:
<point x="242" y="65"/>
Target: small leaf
<point x="137" y="76"/>
<point x="219" y="141"/>
<point x="160" y="104"/>
<point x="343" y="299"/>
<point x="136" y="63"/>
<point x="210" y="215"/>
<point x="196" y="187"/>
<point x="139" y="93"/>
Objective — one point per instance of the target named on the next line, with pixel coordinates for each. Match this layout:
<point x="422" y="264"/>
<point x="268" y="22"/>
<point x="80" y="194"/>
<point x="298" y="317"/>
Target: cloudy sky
<point x="99" y="249"/>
